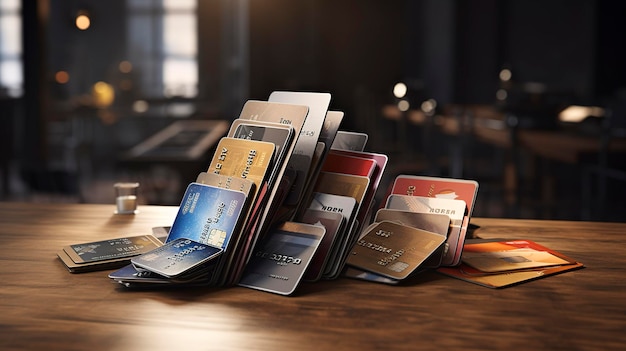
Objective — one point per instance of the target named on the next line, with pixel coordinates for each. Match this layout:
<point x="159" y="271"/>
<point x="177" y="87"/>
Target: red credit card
<point x="443" y="188"/>
<point x="346" y="164"/>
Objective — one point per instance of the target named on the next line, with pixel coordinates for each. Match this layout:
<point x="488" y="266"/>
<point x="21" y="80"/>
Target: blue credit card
<point x="177" y="257"/>
<point x="208" y="215"/>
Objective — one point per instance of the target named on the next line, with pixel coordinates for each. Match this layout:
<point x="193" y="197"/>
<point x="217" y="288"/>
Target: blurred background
<point x="526" y="97"/>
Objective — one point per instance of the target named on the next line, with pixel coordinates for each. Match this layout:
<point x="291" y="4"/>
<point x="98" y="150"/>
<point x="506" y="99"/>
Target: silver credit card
<point x="280" y="260"/>
<point x="176" y="257"/>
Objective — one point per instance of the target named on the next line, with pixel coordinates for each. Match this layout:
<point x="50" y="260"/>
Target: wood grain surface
<point x="44" y="307"/>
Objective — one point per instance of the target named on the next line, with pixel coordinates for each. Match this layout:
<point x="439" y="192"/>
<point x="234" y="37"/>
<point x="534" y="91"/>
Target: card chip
<point x="398" y="266"/>
<point x="217" y="237"/>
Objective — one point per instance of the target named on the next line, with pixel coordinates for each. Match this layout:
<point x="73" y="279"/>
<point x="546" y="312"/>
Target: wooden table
<point x="44" y="307"/>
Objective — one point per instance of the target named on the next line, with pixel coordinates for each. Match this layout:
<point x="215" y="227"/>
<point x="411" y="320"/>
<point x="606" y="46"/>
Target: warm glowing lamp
<point x="577" y="114"/>
<point x="62" y="77"/>
<point x="505" y="75"/>
<point x="399" y="90"/>
<point x="140" y="106"/>
<point x="429" y="106"/>
<point x="83" y="22"/>
<point x="125" y="67"/>
<point x="403" y="105"/>
<point x="103" y="94"/>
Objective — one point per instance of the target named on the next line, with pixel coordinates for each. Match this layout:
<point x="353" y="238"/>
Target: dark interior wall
<point x="477" y="60"/>
<point x="209" y="32"/>
<point x="335" y="46"/>
<point x="551" y="42"/>
<point x="363" y="47"/>
<point x="346" y="47"/>
<point x="454" y="48"/>
<point x="340" y="45"/>
<point x="29" y="125"/>
<point x="463" y="46"/>
<point x="438" y="53"/>
<point x="283" y="46"/>
<point x="459" y="47"/>
<point x="88" y="56"/>
<point x="610" y="48"/>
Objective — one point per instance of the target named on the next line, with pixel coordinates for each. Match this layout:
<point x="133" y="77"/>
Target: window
<point x="163" y="46"/>
<point x="11" y="76"/>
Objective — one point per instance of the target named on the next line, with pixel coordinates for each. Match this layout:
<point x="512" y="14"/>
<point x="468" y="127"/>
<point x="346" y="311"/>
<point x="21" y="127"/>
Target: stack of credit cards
<point x="289" y="197"/>
<point x="254" y="182"/>
<point x="106" y="254"/>
<point x="178" y="262"/>
<point x="422" y="225"/>
<point x="345" y="186"/>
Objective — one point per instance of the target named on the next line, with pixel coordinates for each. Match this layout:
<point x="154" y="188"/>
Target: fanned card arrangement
<point x="422" y="225"/>
<point x="289" y="197"/>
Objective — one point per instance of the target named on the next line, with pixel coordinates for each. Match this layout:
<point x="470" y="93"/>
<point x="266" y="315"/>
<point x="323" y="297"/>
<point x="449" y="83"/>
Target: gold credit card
<point x="241" y="158"/>
<point x="282" y="135"/>
<point x="393" y="250"/>
<point x="436" y="223"/>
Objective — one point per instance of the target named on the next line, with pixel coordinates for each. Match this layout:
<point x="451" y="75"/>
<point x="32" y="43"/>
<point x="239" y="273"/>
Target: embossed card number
<point x="176" y="257"/>
<point x="282" y="258"/>
<point x="242" y="158"/>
